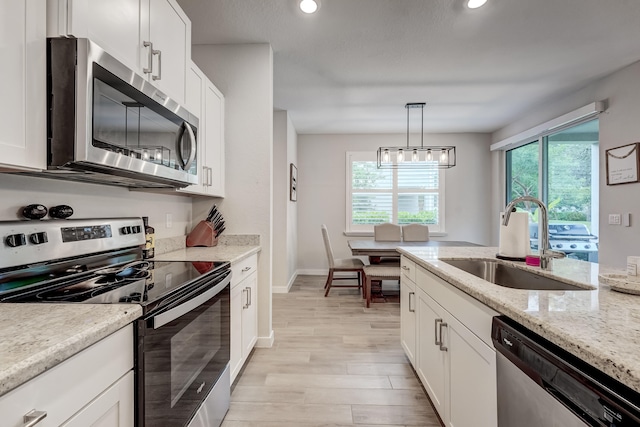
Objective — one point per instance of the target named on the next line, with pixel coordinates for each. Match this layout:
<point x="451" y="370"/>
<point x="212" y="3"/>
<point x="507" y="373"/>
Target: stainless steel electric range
<point x="182" y="339"/>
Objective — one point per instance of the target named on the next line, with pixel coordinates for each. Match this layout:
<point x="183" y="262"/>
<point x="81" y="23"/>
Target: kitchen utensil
<point x="217" y="217"/>
<point x="218" y="226"/>
<point x="61" y="211"/>
<point x="35" y="211"/>
<point x="212" y="213"/>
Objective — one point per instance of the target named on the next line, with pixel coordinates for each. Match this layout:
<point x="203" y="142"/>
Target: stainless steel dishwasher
<point x="541" y="385"/>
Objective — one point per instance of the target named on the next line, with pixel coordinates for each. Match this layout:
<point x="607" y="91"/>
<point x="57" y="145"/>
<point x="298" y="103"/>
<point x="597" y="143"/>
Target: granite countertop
<point x="600" y="326"/>
<point x="229" y="253"/>
<point x="36" y="337"/>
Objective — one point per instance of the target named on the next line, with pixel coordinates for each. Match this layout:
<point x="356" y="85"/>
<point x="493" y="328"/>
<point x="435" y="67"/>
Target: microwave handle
<point x="190" y="304"/>
<point x="186" y="164"/>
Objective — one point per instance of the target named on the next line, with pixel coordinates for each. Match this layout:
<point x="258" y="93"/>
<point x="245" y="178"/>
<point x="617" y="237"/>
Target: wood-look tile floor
<point x="333" y="364"/>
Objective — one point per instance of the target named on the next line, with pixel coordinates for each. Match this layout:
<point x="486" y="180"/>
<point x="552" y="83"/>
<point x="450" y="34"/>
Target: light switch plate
<point x="614" y="219"/>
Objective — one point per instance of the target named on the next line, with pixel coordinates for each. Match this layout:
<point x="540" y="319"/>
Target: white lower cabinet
<point x="92" y="388"/>
<point x="244" y="312"/>
<point x="408" y="310"/>
<point x="454" y="357"/>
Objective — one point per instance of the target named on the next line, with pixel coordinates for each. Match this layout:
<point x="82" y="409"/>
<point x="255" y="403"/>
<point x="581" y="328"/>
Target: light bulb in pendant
<point x="400" y="155"/>
<point x="444" y="156"/>
<point x="414" y="156"/>
<point x="385" y="156"/>
<point x="308" y="6"/>
<point x="145" y="154"/>
<point x="159" y="155"/>
<point x="429" y="156"/>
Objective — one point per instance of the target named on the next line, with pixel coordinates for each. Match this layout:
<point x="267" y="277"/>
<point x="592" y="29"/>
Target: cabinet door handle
<point x="246" y="269"/>
<point x="248" y="296"/>
<point x="246" y="304"/>
<point x="436" y="331"/>
<point x="210" y="176"/>
<point x="442" y="347"/>
<point x="33" y="417"/>
<point x="159" y="53"/>
<point x="404" y="267"/>
<point x="149" y="68"/>
<point x="412" y="310"/>
<point x="205" y="181"/>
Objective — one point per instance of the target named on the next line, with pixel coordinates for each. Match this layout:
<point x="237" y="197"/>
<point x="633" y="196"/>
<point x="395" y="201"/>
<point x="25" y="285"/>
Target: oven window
<point x="193" y="348"/>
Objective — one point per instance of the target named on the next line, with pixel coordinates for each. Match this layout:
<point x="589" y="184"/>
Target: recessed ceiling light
<point x="309" y="6"/>
<point x="474" y="4"/>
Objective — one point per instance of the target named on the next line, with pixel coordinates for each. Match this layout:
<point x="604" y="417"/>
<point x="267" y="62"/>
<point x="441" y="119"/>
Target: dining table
<point x="376" y="249"/>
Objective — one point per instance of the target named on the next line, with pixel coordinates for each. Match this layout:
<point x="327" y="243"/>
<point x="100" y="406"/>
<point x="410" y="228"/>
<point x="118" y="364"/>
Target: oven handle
<point x="171" y="315"/>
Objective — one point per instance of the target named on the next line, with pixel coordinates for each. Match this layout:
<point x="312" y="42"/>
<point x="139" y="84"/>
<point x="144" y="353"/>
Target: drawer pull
<point x="438" y="341"/>
<point x="412" y="310"/>
<point x="246" y="269"/>
<point x="404" y="267"/>
<point x="442" y="346"/>
<point x="34" y="417"/>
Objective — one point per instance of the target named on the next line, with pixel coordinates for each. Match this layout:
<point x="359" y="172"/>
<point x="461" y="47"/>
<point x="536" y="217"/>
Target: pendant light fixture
<point x="416" y="157"/>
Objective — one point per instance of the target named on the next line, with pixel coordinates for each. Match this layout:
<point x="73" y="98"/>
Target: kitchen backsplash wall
<point x="95" y="201"/>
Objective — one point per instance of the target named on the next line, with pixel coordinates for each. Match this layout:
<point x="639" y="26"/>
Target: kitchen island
<point x="598" y="325"/>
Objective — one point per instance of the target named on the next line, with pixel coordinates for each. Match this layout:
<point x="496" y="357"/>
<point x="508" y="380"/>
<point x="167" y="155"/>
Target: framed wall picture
<point x="622" y="164"/>
<point x="293" y="182"/>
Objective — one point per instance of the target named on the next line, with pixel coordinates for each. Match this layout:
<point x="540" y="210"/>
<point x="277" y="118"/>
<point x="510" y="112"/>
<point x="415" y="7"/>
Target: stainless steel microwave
<point x="108" y="124"/>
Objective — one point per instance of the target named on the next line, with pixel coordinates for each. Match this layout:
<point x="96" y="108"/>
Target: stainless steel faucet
<point x="546" y="254"/>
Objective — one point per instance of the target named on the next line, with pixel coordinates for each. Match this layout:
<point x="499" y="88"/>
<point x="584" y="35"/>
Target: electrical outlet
<point x="614" y="219"/>
<point x="169" y="220"/>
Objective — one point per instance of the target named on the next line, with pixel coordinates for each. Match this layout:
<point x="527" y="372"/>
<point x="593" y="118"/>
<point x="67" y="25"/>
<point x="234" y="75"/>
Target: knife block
<point x="203" y="234"/>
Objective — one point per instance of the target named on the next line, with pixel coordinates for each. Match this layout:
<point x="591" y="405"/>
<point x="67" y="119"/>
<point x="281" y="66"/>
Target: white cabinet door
<point x="237" y="304"/>
<point x="196" y="81"/>
<point x="115" y="25"/>
<point x="214" y="142"/>
<point x="23" y="140"/>
<point x="249" y="314"/>
<point x="152" y="37"/>
<point x="170" y="33"/>
<point x="472" y="378"/>
<point x="113" y="408"/>
<point x="431" y="361"/>
<point x="408" y="318"/>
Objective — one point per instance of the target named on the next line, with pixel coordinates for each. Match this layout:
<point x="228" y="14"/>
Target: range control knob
<point x="35" y="211"/>
<point x="125" y="230"/>
<point x="16" y="240"/>
<point x="38" y="238"/>
<point x="61" y="211"/>
<point x="136" y="229"/>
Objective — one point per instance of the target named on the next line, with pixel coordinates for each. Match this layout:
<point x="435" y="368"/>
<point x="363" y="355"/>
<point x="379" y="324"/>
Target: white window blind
<point x="399" y="196"/>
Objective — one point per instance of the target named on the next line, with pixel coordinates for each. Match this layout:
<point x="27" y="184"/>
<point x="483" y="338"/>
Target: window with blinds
<point x="399" y="196"/>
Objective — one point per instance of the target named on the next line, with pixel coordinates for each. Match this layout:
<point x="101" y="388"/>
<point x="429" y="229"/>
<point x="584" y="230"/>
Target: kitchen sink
<point x="511" y="277"/>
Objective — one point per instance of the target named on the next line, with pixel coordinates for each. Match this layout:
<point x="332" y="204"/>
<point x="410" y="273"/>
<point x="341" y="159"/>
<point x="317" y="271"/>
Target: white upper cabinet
<point x="152" y="37"/>
<point x="207" y="103"/>
<point x="23" y="84"/>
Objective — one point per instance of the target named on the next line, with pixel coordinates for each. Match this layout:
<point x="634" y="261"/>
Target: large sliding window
<point x="400" y="196"/>
<point x="561" y="169"/>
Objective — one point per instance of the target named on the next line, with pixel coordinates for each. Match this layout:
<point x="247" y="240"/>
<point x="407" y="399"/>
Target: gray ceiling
<point x="352" y="66"/>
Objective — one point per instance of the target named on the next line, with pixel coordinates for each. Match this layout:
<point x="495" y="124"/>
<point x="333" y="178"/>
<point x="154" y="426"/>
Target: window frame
<point x="366" y="156"/>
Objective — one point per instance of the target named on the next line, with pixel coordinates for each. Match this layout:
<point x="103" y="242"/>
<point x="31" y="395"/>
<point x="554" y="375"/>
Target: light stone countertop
<point x="600" y="326"/>
<point x="232" y="254"/>
<point x="36" y="337"/>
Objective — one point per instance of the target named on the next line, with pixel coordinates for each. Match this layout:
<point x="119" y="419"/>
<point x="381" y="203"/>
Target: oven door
<point x="182" y="350"/>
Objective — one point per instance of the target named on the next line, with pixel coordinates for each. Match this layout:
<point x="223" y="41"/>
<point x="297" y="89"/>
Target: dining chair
<point x="415" y="233"/>
<point x="341" y="265"/>
<point x="387" y="232"/>
<point x="379" y="273"/>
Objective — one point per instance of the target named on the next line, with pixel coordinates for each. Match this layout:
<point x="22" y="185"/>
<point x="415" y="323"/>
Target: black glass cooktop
<point x="130" y="282"/>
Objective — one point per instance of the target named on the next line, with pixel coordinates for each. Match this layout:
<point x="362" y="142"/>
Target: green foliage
<point x="568" y="216"/>
<point x="424" y="217"/>
<point x="370" y="217"/>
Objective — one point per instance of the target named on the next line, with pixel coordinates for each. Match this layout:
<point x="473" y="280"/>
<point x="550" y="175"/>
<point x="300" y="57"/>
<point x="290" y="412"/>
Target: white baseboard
<point x="266" y="342"/>
<point x="284" y="289"/>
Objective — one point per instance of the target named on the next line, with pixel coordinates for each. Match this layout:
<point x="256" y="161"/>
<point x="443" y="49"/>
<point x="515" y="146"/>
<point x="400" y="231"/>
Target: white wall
<point x="322" y="194"/>
<point x="619" y="125"/>
<point x="95" y="201"/>
<point x="244" y="74"/>
<point x="284" y="210"/>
